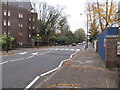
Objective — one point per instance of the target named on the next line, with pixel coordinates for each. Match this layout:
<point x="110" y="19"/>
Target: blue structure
<point x="102" y="40"/>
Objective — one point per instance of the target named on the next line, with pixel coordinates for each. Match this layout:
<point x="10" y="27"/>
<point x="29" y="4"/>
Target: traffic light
<point x="38" y="35"/>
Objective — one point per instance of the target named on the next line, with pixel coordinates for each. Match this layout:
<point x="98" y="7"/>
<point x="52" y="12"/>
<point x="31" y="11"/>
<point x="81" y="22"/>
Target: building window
<point x="8" y="13"/>
<point x="8" y="23"/>
<point x="9" y="33"/>
<point x="29" y="27"/>
<point x="20" y="34"/>
<point x="21" y="43"/>
<point x="20" y="5"/>
<point x="29" y="19"/>
<point x="20" y="15"/>
<point x="29" y="35"/>
<point x="5" y="2"/>
<point x="5" y="23"/>
<point x="5" y="13"/>
<point x="33" y="19"/>
<point x="21" y="25"/>
<point x="4" y="33"/>
<point x="33" y="27"/>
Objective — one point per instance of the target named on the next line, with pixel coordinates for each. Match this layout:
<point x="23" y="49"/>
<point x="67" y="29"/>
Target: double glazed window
<point x="20" y="15"/>
<point x="5" y="13"/>
<point x="29" y="19"/>
<point x="20" y="25"/>
<point x="5" y="23"/>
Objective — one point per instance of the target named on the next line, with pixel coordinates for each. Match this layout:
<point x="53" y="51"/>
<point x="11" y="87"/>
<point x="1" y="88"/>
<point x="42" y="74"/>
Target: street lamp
<point x="87" y="32"/>
<point x="7" y="28"/>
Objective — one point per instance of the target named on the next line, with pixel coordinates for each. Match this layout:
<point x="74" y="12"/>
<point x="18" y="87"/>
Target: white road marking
<point x="56" y="49"/>
<point x="48" y="72"/>
<point x="4" y="62"/>
<point x="73" y="54"/>
<point x="23" y="53"/>
<point x="72" y="49"/>
<point x="61" y="63"/>
<point x="43" y="53"/>
<point x="78" y="50"/>
<point x="23" y="58"/>
<point x="62" y="49"/>
<point x="35" y="53"/>
<point x="66" y="49"/>
<point x="51" y="48"/>
<point x="32" y="82"/>
<point x="30" y="57"/>
<point x="17" y="59"/>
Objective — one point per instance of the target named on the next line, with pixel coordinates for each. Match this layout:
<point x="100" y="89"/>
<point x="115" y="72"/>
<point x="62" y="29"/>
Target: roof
<point x="25" y="4"/>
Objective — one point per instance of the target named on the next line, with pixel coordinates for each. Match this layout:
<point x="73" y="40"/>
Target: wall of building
<point x="22" y="34"/>
<point x="14" y="28"/>
<point x="0" y="18"/>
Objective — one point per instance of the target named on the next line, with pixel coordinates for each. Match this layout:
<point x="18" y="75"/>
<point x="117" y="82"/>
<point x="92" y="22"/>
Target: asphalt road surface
<point x="20" y="69"/>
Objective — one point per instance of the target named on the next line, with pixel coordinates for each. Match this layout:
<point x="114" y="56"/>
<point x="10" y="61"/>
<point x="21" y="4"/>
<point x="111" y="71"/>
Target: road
<point x="20" y="69"/>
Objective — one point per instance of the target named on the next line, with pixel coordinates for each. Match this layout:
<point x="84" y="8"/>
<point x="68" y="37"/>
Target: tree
<point x="3" y="42"/>
<point x="101" y="16"/>
<point x="79" y="35"/>
<point x="49" y="19"/>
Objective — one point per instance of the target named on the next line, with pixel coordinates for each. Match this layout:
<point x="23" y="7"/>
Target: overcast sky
<point x="74" y="9"/>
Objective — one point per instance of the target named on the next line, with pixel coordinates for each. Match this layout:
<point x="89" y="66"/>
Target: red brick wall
<point x="14" y="28"/>
<point x="111" y="52"/>
<point x="118" y="60"/>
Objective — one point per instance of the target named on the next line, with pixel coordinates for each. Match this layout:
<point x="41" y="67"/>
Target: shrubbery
<point x="3" y="42"/>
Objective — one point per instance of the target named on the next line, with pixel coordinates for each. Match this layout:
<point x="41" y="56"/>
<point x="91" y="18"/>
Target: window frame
<point x="9" y="23"/>
<point x="5" y="22"/>
<point x="8" y="13"/>
<point x="20" y="15"/>
<point x="5" y="12"/>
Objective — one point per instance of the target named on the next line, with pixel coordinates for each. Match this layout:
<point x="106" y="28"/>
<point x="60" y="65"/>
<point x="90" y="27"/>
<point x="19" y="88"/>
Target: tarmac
<point x="18" y="50"/>
<point x="84" y="70"/>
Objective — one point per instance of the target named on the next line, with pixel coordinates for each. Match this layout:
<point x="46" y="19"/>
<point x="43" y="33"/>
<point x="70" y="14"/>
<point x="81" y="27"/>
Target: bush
<point x="4" y="44"/>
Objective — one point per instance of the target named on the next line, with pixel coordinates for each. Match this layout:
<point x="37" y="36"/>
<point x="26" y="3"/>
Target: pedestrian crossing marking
<point x="23" y="53"/>
<point x="63" y="49"/>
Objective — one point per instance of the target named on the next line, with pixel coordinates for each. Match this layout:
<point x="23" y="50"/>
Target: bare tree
<point x="49" y="20"/>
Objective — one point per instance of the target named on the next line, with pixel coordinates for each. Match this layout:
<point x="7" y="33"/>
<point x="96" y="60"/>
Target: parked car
<point x="73" y="44"/>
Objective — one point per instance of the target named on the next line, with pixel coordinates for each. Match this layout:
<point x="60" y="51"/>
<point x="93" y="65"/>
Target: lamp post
<point x="7" y="29"/>
<point x="87" y="32"/>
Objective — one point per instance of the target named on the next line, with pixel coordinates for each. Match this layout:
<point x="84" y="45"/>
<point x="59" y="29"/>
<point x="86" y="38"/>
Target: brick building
<point x="21" y="21"/>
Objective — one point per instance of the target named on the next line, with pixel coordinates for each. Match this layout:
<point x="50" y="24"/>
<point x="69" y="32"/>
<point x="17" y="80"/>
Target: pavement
<point x="84" y="70"/>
